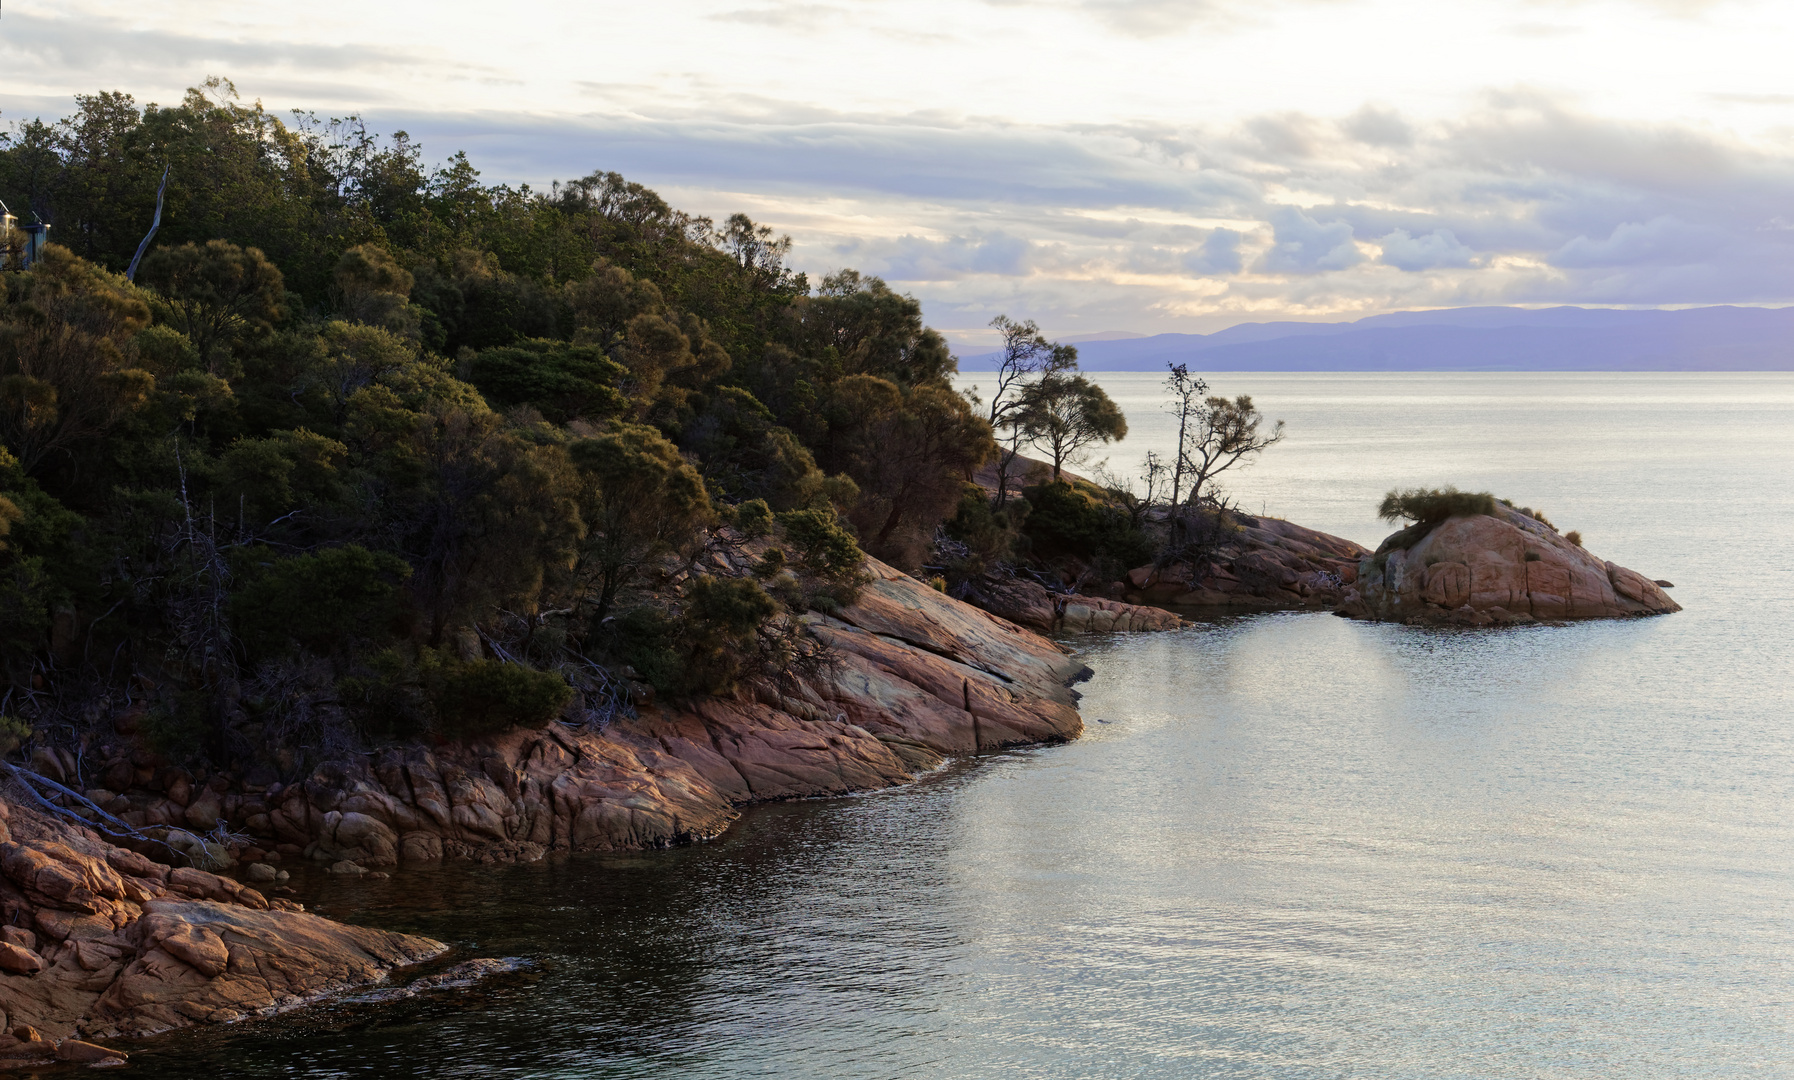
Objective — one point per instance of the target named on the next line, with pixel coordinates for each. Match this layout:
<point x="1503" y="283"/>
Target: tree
<point x="1227" y="433"/>
<point x="1187" y="393"/>
<point x="1027" y="356"/>
<point x="908" y="452"/>
<point x="217" y="295"/>
<point x="325" y="601"/>
<point x="561" y="380"/>
<point x="66" y="345"/>
<point x="494" y="522"/>
<point x="1065" y="415"/>
<point x="371" y="287"/>
<point x="872" y="330"/>
<point x="642" y="501"/>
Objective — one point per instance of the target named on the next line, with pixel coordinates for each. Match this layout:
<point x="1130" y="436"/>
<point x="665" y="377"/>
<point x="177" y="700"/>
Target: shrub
<point x="1065" y="521"/>
<point x="1536" y="515"/>
<point x="704" y="650"/>
<point x="479" y="697"/>
<point x="822" y="544"/>
<point x="1429" y="506"/>
<point x="563" y="381"/>
<point x="829" y="553"/>
<point x="722" y="618"/>
<point x="647" y="640"/>
<point x="1196" y="533"/>
<point x="753" y="518"/>
<point x="323" y="601"/>
<point x="1574" y="537"/>
<point x="181" y="728"/>
<point x="385" y="695"/>
<point x="989" y="532"/>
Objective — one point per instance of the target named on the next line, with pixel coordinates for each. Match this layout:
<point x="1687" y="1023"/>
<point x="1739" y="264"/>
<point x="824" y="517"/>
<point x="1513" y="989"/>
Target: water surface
<point x="1288" y="846"/>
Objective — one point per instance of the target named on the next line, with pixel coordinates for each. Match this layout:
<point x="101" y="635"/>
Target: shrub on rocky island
<point x="1429" y="506"/>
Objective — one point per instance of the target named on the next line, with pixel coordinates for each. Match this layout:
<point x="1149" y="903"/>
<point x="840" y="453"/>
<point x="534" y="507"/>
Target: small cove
<point x="1299" y="847"/>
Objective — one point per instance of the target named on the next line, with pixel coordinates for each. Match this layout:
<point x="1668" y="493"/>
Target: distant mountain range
<point x="1467" y="339"/>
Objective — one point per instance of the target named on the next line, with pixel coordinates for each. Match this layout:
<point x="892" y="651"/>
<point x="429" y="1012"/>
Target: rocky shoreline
<point x="103" y="942"/>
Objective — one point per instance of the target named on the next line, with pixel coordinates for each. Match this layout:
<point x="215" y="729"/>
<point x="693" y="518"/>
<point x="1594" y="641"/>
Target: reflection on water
<point x="1299" y="847"/>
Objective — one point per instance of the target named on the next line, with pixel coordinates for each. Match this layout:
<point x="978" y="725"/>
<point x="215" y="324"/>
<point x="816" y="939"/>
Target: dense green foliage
<point x="1429" y="506"/>
<point x="378" y="445"/>
<point x="1067" y="520"/>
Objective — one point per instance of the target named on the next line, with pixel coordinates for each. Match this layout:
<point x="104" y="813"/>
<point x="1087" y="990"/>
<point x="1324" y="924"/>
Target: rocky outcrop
<point x="102" y="942"/>
<point x="1262" y="564"/>
<point x="915" y="677"/>
<point x="1482" y="569"/>
<point x="1031" y="604"/>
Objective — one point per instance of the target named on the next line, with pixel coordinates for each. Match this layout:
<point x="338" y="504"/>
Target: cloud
<point x="1663" y="240"/>
<point x="1145" y="18"/>
<point x="782" y="16"/>
<point x="1378" y="127"/>
<point x="1302" y="245"/>
<point x="112" y="51"/>
<point x="1219" y="254"/>
<point x="914" y="258"/>
<point x="1289" y="135"/>
<point x="1439" y="248"/>
<point x="1140" y="223"/>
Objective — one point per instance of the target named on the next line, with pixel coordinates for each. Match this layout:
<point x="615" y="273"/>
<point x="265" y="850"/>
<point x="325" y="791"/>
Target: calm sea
<point x="1289" y="845"/>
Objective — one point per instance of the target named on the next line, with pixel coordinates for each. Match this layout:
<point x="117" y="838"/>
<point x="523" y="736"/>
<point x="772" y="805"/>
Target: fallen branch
<point x="107" y="823"/>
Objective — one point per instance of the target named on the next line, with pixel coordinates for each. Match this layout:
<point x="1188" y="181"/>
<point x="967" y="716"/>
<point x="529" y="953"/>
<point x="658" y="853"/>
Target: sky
<point x="1095" y="165"/>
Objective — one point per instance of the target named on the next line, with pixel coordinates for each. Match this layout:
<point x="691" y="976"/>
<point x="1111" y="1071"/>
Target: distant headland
<point x="1465" y="339"/>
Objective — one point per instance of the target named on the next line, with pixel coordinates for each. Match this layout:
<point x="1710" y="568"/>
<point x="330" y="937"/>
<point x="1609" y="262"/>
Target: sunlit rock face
<point x="1481" y="569"/>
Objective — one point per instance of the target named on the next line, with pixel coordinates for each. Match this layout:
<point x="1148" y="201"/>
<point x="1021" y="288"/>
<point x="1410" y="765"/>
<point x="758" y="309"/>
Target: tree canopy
<point x="363" y="428"/>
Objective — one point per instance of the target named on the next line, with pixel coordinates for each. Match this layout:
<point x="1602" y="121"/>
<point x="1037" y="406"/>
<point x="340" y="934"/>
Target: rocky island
<point x="1473" y="560"/>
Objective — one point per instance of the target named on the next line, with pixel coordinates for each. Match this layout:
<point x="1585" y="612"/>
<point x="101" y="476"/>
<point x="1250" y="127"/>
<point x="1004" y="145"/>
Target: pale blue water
<point x="1300" y="846"/>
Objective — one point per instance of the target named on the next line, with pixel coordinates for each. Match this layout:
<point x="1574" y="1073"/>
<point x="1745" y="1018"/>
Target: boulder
<point x="108" y="958"/>
<point x="18" y="960"/>
<point x="1482" y="569"/>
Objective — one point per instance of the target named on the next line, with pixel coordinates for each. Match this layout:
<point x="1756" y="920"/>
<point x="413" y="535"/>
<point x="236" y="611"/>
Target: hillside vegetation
<point x="374" y="451"/>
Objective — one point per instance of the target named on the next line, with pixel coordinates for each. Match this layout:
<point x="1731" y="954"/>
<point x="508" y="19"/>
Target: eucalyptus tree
<point x="1063" y="416"/>
<point x="1026" y="358"/>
